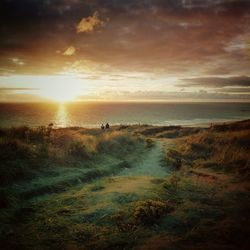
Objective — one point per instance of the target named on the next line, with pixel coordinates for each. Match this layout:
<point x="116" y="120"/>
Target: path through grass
<point x="150" y="164"/>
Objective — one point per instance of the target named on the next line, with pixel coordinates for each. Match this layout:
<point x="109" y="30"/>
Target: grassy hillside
<point x="62" y="189"/>
<point x="212" y="182"/>
<point x="223" y="148"/>
<point x="39" y="161"/>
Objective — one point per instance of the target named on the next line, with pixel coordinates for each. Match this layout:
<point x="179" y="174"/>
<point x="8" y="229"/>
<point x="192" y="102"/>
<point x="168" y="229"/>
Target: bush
<point x="150" y="211"/>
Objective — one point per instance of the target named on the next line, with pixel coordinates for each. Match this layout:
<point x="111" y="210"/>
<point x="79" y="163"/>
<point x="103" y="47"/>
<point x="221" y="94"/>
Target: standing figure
<point x="107" y="126"/>
<point x="102" y="127"/>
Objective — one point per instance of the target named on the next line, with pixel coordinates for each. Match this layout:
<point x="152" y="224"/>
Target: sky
<point x="124" y="50"/>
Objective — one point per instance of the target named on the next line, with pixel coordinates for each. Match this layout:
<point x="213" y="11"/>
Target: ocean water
<point x="93" y="114"/>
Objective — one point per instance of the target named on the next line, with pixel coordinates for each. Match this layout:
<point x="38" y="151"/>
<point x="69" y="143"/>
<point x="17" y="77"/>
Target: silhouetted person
<point x="107" y="126"/>
<point x="102" y="127"/>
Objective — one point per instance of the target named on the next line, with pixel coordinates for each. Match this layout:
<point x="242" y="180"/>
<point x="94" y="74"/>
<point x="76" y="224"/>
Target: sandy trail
<point x="150" y="165"/>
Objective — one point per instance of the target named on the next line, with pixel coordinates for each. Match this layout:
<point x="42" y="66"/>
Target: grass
<point x="223" y="150"/>
<point x="73" y="197"/>
<point x="39" y="161"/>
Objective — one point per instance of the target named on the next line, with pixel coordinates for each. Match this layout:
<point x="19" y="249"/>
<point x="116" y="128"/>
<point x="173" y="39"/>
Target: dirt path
<point x="150" y="165"/>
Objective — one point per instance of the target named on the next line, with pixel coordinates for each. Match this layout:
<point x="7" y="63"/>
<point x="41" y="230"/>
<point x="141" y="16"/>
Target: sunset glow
<point x="68" y="50"/>
<point x="60" y="89"/>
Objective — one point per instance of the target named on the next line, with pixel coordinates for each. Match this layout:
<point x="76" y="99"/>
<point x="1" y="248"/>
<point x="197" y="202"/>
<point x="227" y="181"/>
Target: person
<point x="102" y="127"/>
<point x="107" y="126"/>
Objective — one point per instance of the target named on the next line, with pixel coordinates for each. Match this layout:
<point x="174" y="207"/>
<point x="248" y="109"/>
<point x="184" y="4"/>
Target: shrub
<point x="148" y="212"/>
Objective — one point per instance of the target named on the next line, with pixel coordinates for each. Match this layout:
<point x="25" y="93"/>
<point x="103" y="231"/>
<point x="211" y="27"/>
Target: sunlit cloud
<point x="198" y="45"/>
<point x="165" y="96"/>
<point x="17" y="61"/>
<point x="88" y="24"/>
<point x="58" y="88"/>
<point x="70" y="51"/>
<point x="16" y="89"/>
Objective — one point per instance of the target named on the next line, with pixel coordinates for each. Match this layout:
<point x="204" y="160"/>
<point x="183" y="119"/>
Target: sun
<point x="61" y="89"/>
<point x="62" y="95"/>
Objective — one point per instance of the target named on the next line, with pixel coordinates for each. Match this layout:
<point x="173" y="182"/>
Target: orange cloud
<point x="70" y="51"/>
<point x="88" y="24"/>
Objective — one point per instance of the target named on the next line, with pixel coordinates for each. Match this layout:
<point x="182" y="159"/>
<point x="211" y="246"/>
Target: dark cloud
<point x="216" y="82"/>
<point x="234" y="90"/>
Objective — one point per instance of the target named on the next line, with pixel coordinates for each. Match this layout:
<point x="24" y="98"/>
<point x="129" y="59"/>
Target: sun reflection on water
<point x="62" y="119"/>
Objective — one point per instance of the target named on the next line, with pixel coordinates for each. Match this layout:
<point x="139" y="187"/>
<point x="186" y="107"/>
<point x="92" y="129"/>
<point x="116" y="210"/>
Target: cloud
<point x="216" y="82"/>
<point x="17" y="61"/>
<point x="90" y="23"/>
<point x="9" y="97"/>
<point x="16" y="89"/>
<point x="164" y="38"/>
<point x="70" y="51"/>
<point x="153" y="36"/>
<point x="234" y="90"/>
<point x="11" y="94"/>
<point x="165" y="96"/>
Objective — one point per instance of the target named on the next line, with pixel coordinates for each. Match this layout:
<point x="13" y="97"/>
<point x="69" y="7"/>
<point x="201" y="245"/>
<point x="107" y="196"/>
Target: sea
<point x="93" y="114"/>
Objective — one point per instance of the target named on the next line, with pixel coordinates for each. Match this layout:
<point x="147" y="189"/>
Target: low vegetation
<point x="202" y="203"/>
<point x="36" y="161"/>
<point x="220" y="149"/>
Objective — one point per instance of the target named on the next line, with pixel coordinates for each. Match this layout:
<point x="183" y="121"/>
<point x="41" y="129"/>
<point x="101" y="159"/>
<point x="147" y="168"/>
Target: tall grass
<point x="225" y="150"/>
<point x="117" y="142"/>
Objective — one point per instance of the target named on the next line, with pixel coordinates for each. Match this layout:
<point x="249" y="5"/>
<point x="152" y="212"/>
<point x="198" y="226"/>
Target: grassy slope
<point x="37" y="162"/>
<point x="212" y="185"/>
<point x="204" y="204"/>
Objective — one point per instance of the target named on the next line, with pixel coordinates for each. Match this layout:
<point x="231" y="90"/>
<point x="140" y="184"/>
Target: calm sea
<point x="93" y="114"/>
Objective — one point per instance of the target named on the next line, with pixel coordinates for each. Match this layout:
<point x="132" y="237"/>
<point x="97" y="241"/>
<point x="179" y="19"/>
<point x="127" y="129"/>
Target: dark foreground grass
<point x="191" y="213"/>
